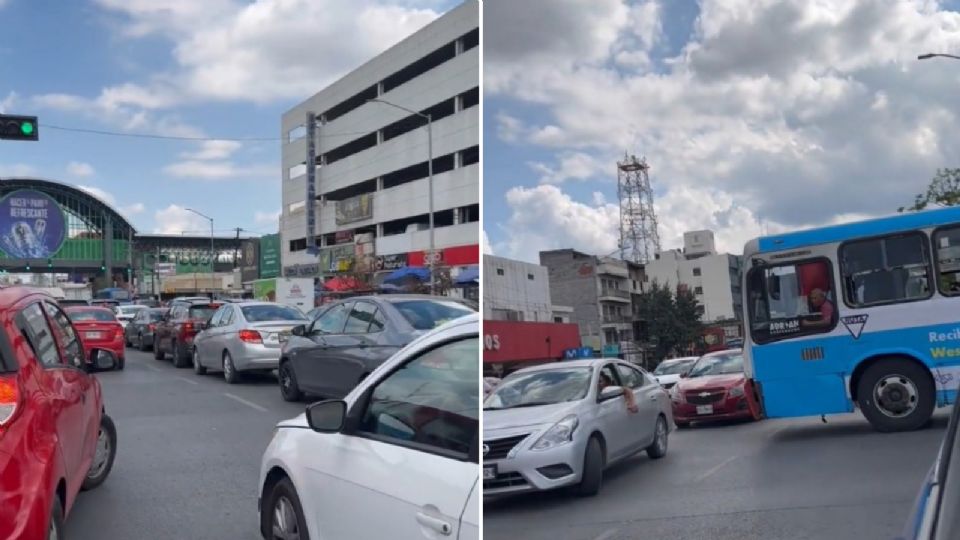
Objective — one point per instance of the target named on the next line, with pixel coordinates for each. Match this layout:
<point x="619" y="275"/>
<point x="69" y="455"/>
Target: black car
<point x="140" y="330"/>
<point x="350" y="338"/>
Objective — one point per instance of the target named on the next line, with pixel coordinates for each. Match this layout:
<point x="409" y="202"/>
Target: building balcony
<point x="614" y="295"/>
<point x="608" y="269"/>
<point x="607" y="320"/>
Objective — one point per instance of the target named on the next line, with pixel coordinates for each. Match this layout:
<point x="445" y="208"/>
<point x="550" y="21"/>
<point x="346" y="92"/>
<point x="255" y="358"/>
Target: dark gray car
<point x="139" y="331"/>
<point x="330" y="355"/>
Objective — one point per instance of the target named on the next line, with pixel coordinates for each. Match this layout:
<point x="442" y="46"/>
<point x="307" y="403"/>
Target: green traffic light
<point x="26" y="128"/>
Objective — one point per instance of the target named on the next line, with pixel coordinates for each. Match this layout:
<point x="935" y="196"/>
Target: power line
<point x="184" y="138"/>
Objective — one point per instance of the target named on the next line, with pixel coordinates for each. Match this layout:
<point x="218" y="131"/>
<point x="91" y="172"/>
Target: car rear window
<point x="91" y="315"/>
<point x="203" y="312"/>
<point x="429" y="314"/>
<point x="271" y="313"/>
<point x="157" y="315"/>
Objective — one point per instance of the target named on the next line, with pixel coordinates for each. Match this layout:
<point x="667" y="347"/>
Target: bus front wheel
<point x="896" y="395"/>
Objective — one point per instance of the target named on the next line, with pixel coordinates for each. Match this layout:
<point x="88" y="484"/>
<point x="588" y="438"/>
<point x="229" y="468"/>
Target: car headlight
<point x="675" y="394"/>
<point x="736" y="391"/>
<point x="560" y="433"/>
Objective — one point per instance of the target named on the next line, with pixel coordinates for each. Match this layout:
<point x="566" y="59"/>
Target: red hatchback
<point x="55" y="437"/>
<point x="99" y="329"/>
<point x="714" y="388"/>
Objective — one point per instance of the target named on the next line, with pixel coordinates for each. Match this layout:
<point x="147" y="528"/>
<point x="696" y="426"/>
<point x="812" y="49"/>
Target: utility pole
<point x="236" y="249"/>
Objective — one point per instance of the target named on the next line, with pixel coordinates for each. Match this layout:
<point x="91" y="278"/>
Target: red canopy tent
<point x="345" y="284"/>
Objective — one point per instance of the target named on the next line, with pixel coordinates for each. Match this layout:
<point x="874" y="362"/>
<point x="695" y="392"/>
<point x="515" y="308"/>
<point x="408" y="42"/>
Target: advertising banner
<point x="32" y="225"/>
<point x="265" y="290"/>
<point x="270" y="256"/>
<point x="249" y="260"/>
<point x="392" y="262"/>
<point x="355" y="209"/>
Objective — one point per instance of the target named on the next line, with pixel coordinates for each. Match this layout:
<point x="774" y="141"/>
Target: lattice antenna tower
<point x="639" y="239"/>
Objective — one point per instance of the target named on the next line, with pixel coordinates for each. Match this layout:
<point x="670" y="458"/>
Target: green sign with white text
<point x="270" y="256"/>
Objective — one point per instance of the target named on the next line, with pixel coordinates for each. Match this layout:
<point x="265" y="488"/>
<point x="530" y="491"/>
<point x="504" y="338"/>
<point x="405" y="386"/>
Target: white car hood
<point x="296" y="422"/>
<point x="507" y="422"/>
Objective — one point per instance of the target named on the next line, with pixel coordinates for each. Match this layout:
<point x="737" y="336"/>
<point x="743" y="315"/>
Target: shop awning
<point x="407" y="273"/>
<point x="469" y="276"/>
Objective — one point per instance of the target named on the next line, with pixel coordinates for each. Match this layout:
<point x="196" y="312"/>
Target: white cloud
<point x="80" y="169"/>
<point x="132" y="209"/>
<point x="266" y="218"/>
<point x="785" y="113"/>
<point x="7" y="103"/>
<point x="128" y="116"/>
<point x="219" y="170"/>
<point x="485" y="243"/>
<point x="213" y="150"/>
<point x="101" y="194"/>
<point x="17" y="169"/>
<point x="176" y="219"/>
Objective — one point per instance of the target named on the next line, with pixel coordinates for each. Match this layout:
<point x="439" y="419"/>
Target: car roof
<point x="87" y="308"/>
<point x="669" y="361"/>
<point x="563" y="364"/>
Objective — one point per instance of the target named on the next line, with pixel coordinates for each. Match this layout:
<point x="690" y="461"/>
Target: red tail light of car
<point x="250" y="336"/>
<point x="9" y="400"/>
<point x="151" y="327"/>
<point x="188" y="327"/>
<point x="119" y="333"/>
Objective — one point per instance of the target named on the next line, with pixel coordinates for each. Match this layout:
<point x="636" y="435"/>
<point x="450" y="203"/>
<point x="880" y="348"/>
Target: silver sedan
<point x="243" y="337"/>
<point x="562" y="424"/>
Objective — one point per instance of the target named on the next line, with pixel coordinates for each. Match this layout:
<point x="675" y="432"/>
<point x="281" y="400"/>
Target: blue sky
<point x="218" y="68"/>
<point x="754" y="115"/>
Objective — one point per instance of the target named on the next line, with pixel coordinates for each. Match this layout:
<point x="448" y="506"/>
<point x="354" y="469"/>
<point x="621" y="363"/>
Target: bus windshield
<point x="790" y="300"/>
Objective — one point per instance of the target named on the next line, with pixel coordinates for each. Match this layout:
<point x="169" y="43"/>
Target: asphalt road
<point x="775" y="479"/>
<point x="188" y="457"/>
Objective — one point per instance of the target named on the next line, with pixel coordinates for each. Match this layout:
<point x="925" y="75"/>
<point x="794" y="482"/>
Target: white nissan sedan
<point x="397" y="458"/>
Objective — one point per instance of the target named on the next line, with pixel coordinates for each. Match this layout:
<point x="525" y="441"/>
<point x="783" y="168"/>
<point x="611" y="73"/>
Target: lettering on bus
<point x="784" y="327"/>
<point x="952" y="338"/>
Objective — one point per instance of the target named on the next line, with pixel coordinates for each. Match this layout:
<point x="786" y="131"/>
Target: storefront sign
<point x="355" y="209"/>
<point x="32" y="225"/>
<point x="270" y="256"/>
<point x="343" y="237"/>
<point x="514" y="341"/>
<point x="301" y="270"/>
<point x="336" y="259"/>
<point x="392" y="262"/>
<point x="491" y="342"/>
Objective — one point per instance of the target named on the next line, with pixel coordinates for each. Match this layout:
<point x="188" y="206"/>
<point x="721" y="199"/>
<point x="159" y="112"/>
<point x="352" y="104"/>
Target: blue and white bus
<point x="862" y="315"/>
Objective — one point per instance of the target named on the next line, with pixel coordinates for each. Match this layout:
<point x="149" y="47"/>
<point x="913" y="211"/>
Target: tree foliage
<point x="672" y="318"/>
<point x="944" y="190"/>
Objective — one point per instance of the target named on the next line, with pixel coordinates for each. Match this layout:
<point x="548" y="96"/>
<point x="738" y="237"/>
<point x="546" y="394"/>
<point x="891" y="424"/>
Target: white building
<point x="372" y="197"/>
<point x="713" y="277"/>
<point x="516" y="291"/>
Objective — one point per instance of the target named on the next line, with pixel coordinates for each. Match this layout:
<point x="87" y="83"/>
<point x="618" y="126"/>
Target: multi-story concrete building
<point x="515" y="291"/>
<point x="713" y="277"/>
<point x="372" y="202"/>
<point x="600" y="291"/>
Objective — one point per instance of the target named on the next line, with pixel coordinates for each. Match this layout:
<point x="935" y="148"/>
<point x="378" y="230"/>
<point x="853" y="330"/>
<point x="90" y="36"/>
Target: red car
<point x="175" y="333"/>
<point x="55" y="437"/>
<point x="715" y="388"/>
<point x="99" y="329"/>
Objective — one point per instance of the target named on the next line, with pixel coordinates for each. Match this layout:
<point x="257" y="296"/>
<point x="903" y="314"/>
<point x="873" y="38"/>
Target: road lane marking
<point x="191" y="381"/>
<point x="245" y="402"/>
<point x="715" y="468"/>
<point x="607" y="535"/>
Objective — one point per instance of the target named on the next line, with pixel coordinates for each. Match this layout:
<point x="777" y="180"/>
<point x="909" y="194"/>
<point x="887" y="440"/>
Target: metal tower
<point x="639" y="240"/>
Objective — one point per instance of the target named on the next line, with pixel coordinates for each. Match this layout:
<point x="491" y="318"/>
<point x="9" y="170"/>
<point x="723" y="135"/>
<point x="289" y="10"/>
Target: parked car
<point x="55" y="436"/>
<point x="64" y="302"/>
<point x="139" y="333"/>
<point x="244" y="337"/>
<point x="935" y="513"/>
<point x="174" y="334"/>
<point x="669" y="371"/>
<point x="330" y="355"/>
<point x="561" y="424"/>
<point x="99" y="330"/>
<point x="398" y="453"/>
<point x="714" y="388"/>
<point x="125" y="313"/>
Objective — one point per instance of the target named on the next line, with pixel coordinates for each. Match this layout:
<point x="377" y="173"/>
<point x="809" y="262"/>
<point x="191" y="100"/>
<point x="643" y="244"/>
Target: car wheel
<point x="282" y="514"/>
<point x="230" y="373"/>
<point x="592" y="469"/>
<point x="55" y="531"/>
<point x="896" y="395"/>
<point x="658" y="448"/>
<point x="179" y="355"/>
<point x="140" y="345"/>
<point x="197" y="366"/>
<point x="104" y="456"/>
<point x="121" y="363"/>
<point x="157" y="351"/>
<point x="289" y="388"/>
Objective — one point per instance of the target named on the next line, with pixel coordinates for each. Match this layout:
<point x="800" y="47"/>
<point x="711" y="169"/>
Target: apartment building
<point x="371" y="199"/>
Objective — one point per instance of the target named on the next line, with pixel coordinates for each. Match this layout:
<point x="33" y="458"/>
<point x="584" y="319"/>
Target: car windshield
<point x="542" y="387"/>
<point x="271" y="313"/>
<point x="721" y="364"/>
<point x="429" y="314"/>
<point x="672" y="368"/>
<point x="203" y="312"/>
<point x="157" y="315"/>
<point x="98" y="315"/>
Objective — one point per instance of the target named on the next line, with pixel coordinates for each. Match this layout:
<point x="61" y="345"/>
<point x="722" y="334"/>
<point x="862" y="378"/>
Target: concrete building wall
<point x="712" y="278"/>
<point x="517" y="287"/>
<point x="574" y="283"/>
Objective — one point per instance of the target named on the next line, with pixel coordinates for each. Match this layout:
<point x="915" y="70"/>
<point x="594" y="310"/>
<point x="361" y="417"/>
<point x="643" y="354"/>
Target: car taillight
<point x="119" y="334"/>
<point x="151" y="327"/>
<point x="250" y="336"/>
<point x="9" y="399"/>
<point x="188" y="327"/>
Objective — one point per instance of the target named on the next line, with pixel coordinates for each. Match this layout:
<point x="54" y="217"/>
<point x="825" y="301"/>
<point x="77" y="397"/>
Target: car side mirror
<point x="102" y="360"/>
<point x="299" y="330"/>
<point x="610" y="392"/>
<point x="327" y="416"/>
<point x="683" y="375"/>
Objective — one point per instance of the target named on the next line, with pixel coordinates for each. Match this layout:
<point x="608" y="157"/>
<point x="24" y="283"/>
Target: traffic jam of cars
<point x="398" y="372"/>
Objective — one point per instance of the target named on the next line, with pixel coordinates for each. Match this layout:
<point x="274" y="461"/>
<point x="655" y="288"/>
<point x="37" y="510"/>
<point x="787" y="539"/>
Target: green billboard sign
<point x="270" y="256"/>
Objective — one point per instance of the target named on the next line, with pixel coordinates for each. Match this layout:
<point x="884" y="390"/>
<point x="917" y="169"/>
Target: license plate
<point x="94" y="335"/>
<point x="704" y="409"/>
<point x="489" y="472"/>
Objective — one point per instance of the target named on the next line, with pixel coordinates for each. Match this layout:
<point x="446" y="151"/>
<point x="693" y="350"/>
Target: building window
<point x="470" y="98"/>
<point x="696" y="271"/>
<point x="698" y="290"/>
<point x="469" y="156"/>
<point x="421" y="66"/>
<point x="530" y="277"/>
<point x="293" y="207"/>
<point x="499" y="271"/>
<point x="350" y="104"/>
<point x="299" y="244"/>
<point x="353" y="147"/>
<point x="558" y="319"/>
<point x="471" y="39"/>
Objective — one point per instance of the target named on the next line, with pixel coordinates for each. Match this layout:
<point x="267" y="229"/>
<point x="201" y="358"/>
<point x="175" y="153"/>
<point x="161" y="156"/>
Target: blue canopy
<point x="407" y="272"/>
<point x="469" y="276"/>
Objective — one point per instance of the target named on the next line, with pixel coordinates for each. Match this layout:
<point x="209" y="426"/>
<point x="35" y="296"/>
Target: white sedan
<point x="400" y="453"/>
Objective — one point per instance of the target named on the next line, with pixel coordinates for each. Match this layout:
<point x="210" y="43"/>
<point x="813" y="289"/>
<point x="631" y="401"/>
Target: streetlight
<point x="935" y="55"/>
<point x="213" y="276"/>
<point x="429" y="178"/>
